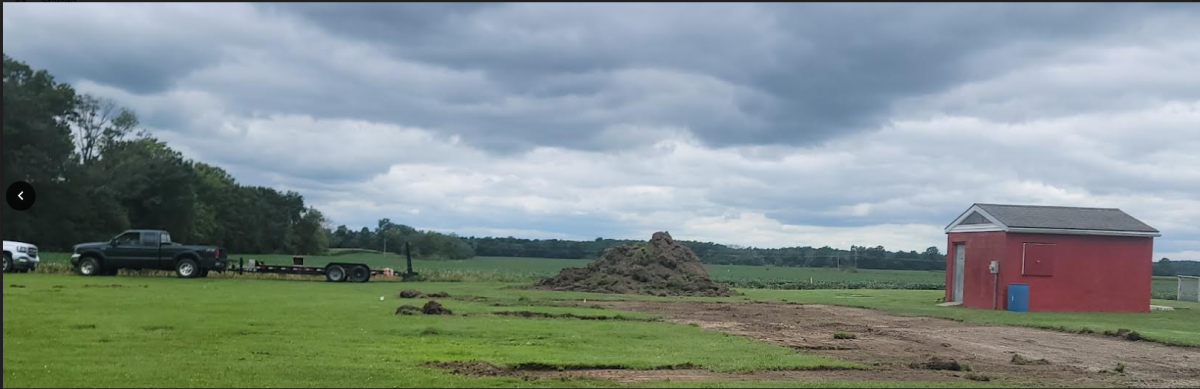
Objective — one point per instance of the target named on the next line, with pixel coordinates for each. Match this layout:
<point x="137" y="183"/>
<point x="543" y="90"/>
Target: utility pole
<point x="408" y="254"/>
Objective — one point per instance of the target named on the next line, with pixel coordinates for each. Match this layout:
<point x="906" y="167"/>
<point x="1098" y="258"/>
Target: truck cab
<point x="20" y="257"/>
<point x="147" y="249"/>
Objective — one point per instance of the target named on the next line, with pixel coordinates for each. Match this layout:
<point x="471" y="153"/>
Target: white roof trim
<point x="995" y="226"/>
<point x="977" y="228"/>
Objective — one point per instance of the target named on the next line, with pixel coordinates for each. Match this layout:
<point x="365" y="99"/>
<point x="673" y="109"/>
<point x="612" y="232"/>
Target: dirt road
<point x="889" y="344"/>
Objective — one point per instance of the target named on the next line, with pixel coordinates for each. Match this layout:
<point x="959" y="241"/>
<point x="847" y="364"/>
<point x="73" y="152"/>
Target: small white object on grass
<point x="380" y="298"/>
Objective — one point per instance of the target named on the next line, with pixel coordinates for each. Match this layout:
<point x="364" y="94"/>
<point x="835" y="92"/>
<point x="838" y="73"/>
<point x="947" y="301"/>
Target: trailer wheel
<point x="335" y="273"/>
<point x="187" y="268"/>
<point x="360" y="274"/>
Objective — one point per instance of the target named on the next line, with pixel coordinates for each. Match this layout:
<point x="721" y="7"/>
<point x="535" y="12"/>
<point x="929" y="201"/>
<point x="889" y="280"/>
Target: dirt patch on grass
<point x="472" y="368"/>
<point x="681" y="372"/>
<point x="543" y="315"/>
<point x="660" y="267"/>
<point x="889" y="344"/>
<point x="410" y="294"/>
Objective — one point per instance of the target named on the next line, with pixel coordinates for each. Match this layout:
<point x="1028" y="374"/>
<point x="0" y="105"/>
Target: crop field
<point x="509" y="269"/>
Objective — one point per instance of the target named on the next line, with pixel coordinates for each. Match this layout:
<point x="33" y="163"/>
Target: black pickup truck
<point x="147" y="249"/>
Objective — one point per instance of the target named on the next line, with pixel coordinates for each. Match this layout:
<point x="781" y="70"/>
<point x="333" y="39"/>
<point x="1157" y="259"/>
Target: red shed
<point x="1072" y="259"/>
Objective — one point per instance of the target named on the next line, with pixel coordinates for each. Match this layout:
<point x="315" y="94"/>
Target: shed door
<point x="960" y="261"/>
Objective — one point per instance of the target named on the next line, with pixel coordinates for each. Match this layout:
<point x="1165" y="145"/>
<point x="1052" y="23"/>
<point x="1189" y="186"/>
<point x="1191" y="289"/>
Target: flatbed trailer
<point x="333" y="271"/>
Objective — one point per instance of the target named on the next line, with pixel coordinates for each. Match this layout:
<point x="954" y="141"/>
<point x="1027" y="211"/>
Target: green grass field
<point x="65" y="330"/>
<point x="508" y="269"/>
<point x="70" y="331"/>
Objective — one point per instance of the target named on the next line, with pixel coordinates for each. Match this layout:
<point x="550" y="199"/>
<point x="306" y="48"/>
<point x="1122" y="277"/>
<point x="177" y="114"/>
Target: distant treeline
<point x="1167" y="267"/>
<point x="392" y="238"/>
<point x="714" y="253"/>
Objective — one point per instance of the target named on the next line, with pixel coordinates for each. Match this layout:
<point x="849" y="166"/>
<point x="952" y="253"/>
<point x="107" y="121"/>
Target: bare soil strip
<point x="899" y="347"/>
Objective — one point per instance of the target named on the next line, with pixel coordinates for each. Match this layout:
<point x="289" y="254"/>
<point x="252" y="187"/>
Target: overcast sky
<point x="755" y="124"/>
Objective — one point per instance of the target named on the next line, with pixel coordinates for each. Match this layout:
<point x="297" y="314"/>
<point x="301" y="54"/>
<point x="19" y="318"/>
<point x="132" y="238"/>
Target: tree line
<point x="1167" y="267"/>
<point x="96" y="173"/>
<point x="391" y="237"/>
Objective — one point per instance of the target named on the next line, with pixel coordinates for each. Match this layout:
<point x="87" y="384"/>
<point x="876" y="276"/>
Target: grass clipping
<point x="661" y="267"/>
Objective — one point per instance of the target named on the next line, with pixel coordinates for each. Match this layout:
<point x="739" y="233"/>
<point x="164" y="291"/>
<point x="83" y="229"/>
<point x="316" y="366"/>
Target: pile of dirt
<point x="431" y="308"/>
<point x="661" y="267"/>
<point x="434" y="308"/>
<point x="407" y="310"/>
<point x="412" y="294"/>
<point x="1124" y="333"/>
<point x="936" y="363"/>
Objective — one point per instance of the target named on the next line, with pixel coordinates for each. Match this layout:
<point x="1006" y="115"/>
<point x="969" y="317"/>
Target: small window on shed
<point x="1038" y="259"/>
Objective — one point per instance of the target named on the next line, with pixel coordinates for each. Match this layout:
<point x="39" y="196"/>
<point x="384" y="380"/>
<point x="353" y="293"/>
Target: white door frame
<point x="960" y="262"/>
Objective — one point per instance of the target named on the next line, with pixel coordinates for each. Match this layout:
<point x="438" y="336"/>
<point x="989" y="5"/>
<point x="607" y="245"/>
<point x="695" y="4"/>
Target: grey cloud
<point x="813" y="70"/>
<point x="512" y="76"/>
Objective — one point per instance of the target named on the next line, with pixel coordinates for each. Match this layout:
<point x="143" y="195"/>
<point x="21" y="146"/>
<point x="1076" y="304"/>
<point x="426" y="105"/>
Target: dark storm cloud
<point x="511" y="76"/>
<point x="805" y="71"/>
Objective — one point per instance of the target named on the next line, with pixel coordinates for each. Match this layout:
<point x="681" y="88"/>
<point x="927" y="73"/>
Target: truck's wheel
<point x="89" y="266"/>
<point x="360" y="274"/>
<point x="187" y="268"/>
<point x="335" y="273"/>
<point x="7" y="263"/>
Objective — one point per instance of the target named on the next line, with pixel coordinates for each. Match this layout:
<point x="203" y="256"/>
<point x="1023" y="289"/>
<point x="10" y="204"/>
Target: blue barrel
<point x="1018" y="297"/>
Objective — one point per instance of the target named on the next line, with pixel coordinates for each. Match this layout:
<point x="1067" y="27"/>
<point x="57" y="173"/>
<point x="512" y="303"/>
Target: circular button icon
<point x="20" y="195"/>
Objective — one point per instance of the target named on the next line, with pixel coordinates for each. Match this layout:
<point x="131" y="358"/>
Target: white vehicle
<point x="20" y="257"/>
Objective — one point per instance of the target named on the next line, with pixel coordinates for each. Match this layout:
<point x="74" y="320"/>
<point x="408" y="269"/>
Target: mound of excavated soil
<point x="661" y="267"/>
<point x="407" y="310"/>
<point x="435" y="308"/>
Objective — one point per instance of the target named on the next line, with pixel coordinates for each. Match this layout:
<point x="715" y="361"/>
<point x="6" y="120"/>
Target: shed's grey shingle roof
<point x="1070" y="218"/>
